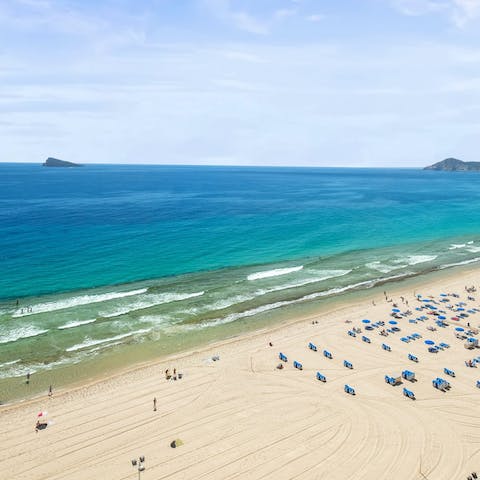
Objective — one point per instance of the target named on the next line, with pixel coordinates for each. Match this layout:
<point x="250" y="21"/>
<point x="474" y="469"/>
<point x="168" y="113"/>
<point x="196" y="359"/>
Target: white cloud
<point x="465" y="11"/>
<point x="459" y="12"/>
<point x="285" y="12"/>
<point x="317" y="17"/>
<point x="420" y="7"/>
<point x="242" y="20"/>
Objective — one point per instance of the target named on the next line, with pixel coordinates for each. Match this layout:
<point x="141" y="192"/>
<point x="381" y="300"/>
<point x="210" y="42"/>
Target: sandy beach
<point x="242" y="417"/>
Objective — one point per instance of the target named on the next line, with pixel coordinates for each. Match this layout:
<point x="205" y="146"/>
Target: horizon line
<point x="220" y="165"/>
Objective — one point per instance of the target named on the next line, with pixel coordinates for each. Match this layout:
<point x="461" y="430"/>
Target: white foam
<point x="75" y="324"/>
<point x="473" y="249"/>
<point x="455" y="246"/>
<point x="327" y="274"/>
<point x="470" y="242"/>
<point x="149" y="301"/>
<point x="465" y="262"/>
<point x="416" y="259"/>
<point x="91" y="343"/>
<point x="272" y="306"/>
<point x="274" y="273"/>
<point x="228" y="302"/>
<point x="22" y="370"/>
<point x="76" y="301"/>
<point x="21" y="332"/>
<point x="6" y="364"/>
<point x="384" y="268"/>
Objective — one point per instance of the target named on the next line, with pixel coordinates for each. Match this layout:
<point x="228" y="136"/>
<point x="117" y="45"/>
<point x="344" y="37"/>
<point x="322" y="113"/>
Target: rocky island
<point x="454" y="165"/>
<point x="55" y="162"/>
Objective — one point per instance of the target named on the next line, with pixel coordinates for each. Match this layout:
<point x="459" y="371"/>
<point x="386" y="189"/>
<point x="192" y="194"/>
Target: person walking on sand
<point x="50" y="391"/>
<point x="154" y="404"/>
<point x="28" y="378"/>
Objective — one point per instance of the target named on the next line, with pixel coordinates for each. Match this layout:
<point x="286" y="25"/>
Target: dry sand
<point x="241" y="418"/>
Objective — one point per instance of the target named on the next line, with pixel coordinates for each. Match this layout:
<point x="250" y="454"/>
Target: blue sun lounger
<point x="321" y="377"/>
<point x="312" y="346"/>
<point x="327" y="354"/>
<point x="349" y="389"/>
<point x="433" y="349"/>
<point x="413" y="358"/>
<point x="347" y="364"/>
<point x="405" y="339"/>
<point x="441" y="384"/>
<point x="392" y="380"/>
<point x="366" y="339"/>
<point x="408" y="393"/>
<point x="297" y="365"/>
<point x="449" y="372"/>
<point x="386" y="347"/>
<point x="408" y="375"/>
<point x="444" y="345"/>
<point x="416" y="336"/>
<point x="282" y="357"/>
<point x="478" y="383"/>
<point x="352" y="333"/>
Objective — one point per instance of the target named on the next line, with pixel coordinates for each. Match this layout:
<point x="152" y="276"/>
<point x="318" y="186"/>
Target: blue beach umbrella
<point x="396" y="310"/>
<point x="429" y="342"/>
<point x="459" y="329"/>
<point x="392" y="322"/>
<point x="366" y="321"/>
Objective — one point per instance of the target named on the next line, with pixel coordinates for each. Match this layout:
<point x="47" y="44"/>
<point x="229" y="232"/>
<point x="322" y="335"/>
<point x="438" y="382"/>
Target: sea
<point x="107" y="266"/>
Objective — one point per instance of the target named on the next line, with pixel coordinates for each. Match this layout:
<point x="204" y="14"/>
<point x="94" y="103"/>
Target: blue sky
<point x="246" y="82"/>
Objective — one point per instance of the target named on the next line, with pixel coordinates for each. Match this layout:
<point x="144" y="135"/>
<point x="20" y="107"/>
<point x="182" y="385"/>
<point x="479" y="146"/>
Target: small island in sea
<point x="55" y="162"/>
<point x="454" y="165"/>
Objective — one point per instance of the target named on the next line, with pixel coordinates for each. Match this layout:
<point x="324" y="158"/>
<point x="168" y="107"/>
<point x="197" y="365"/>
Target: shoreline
<point x="339" y="303"/>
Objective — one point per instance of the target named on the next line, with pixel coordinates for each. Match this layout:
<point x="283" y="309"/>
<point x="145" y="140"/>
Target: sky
<point x="362" y="83"/>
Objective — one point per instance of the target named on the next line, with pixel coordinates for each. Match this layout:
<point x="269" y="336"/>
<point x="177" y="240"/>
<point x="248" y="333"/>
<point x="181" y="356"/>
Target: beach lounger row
<point x="366" y="339"/>
<point x="347" y="364"/>
<point x="350" y="390"/>
<point x="408" y="393"/>
<point x="282" y="357"/>
<point x="413" y="358"/>
<point x="321" y="377"/>
<point x="408" y="375"/>
<point x="444" y="345"/>
<point x="312" y="346"/>
<point x="352" y="333"/>
<point x="297" y="365"/>
<point x="327" y="354"/>
<point x="386" y="347"/>
<point x="449" y="372"/>
<point x="478" y="383"/>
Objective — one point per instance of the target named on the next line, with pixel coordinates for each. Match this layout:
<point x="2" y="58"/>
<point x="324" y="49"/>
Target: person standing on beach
<point x="154" y="404"/>
<point x="50" y="391"/>
<point x="28" y="378"/>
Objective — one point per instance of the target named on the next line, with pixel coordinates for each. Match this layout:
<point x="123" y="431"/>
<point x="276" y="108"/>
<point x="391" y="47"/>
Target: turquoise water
<point x="104" y="259"/>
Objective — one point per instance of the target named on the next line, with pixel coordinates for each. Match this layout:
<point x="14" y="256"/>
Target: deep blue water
<point x="65" y="229"/>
